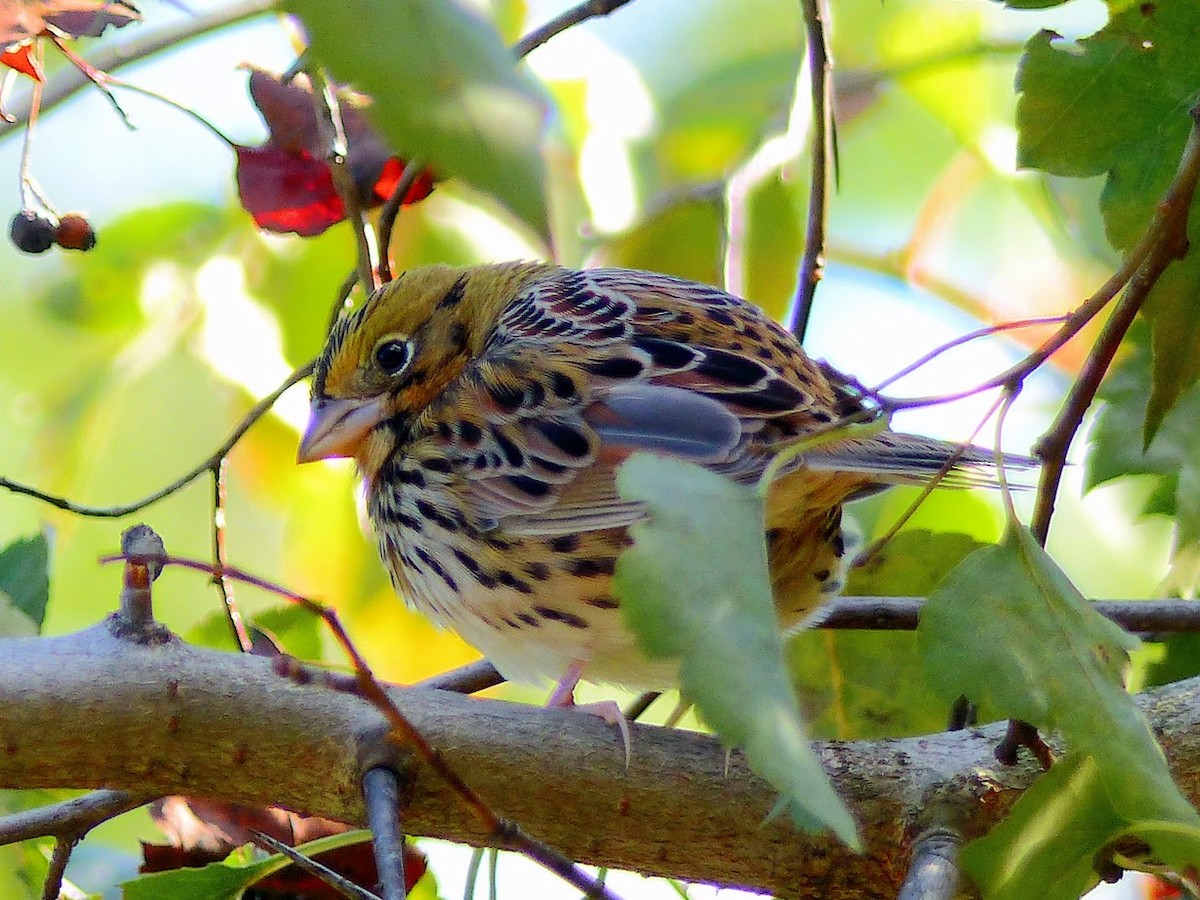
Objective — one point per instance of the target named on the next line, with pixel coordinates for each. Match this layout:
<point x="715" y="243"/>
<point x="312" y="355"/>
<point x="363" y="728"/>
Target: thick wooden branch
<point x="96" y="710"/>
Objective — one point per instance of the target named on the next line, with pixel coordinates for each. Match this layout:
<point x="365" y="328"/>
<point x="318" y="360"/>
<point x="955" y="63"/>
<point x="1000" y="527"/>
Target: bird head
<point x="383" y="364"/>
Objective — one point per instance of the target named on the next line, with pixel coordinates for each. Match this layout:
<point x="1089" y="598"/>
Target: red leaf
<point x="84" y="19"/>
<point x="204" y="831"/>
<point x="20" y="57"/>
<point x="286" y="185"/>
<point x="69" y="18"/>
<point x="389" y="178"/>
<point x="287" y="191"/>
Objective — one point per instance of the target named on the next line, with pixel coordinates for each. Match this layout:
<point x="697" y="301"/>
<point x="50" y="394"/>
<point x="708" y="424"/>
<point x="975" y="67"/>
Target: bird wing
<point x="585" y="368"/>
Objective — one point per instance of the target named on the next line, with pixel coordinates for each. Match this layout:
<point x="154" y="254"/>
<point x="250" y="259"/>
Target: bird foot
<point x="563" y="697"/>
<point x="610" y="712"/>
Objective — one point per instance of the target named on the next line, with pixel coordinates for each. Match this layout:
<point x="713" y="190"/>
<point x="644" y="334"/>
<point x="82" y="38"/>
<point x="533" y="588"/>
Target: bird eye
<point x="393" y="356"/>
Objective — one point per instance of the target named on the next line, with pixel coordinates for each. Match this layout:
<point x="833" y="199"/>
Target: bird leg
<point x="563" y="697"/>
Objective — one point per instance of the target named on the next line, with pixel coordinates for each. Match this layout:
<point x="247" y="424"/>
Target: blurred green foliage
<point x="679" y="148"/>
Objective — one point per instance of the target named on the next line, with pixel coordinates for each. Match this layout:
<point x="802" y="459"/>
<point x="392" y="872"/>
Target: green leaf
<point x="695" y="586"/>
<point x="684" y="239"/>
<point x="1173" y="455"/>
<point x="911" y="564"/>
<point x="871" y="684"/>
<point x="444" y="89"/>
<point x="227" y="879"/>
<point x="1117" y="105"/>
<point x="25" y="577"/>
<point x="1045" y="846"/>
<point x="1009" y="628"/>
<point x="1050" y="842"/>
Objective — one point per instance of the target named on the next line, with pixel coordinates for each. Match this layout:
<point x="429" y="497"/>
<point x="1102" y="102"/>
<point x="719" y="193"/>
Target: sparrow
<point x="488" y="407"/>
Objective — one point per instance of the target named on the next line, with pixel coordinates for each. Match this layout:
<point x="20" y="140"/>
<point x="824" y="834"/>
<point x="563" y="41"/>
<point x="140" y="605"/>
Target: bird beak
<point x="338" y="427"/>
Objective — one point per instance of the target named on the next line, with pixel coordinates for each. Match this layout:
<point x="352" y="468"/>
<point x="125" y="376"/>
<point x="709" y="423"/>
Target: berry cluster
<point x="33" y="231"/>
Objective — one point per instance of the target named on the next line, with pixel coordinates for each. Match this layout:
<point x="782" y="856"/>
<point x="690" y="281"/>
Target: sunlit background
<point x="122" y="369"/>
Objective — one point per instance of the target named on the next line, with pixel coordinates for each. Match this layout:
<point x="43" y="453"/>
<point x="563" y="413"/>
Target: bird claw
<point x="563" y="697"/>
<point x="610" y="712"/>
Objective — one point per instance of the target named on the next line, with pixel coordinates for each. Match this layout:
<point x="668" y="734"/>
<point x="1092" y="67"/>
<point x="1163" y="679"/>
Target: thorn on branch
<point x="963" y="714"/>
<point x="1022" y="734"/>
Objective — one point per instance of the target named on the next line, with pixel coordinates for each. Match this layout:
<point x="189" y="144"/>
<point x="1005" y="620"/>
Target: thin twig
<point x="986" y="331"/>
<point x="196" y="117"/>
<point x="927" y="489"/>
<point x="114" y="512"/>
<point x="97" y="77"/>
<point x="1170" y="229"/>
<point x="414" y="167"/>
<point x="221" y="560"/>
<point x="854" y="80"/>
<point x="388" y="212"/>
<point x="901" y="614"/>
<point x="342" y="301"/>
<point x="75" y="816"/>
<point x="52" y="887"/>
<point x="1170" y="216"/>
<point x="560" y="23"/>
<point x="337" y="156"/>
<point x="320" y="871"/>
<point x="1053" y="445"/>
<point x="25" y="179"/>
<point x="637" y="708"/>
<point x="67" y="81"/>
<point x="381" y="796"/>
<point x="467" y="679"/>
<point x="820" y="68"/>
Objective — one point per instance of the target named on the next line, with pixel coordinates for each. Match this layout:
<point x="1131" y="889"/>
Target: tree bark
<point x="93" y="710"/>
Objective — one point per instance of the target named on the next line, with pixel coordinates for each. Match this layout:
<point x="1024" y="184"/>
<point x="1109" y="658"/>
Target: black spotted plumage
<point x="490" y="460"/>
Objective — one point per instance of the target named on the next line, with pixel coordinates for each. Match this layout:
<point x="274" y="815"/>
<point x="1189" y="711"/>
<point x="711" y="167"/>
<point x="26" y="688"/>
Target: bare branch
<point x="1170" y="225"/>
<point x="180" y="719"/>
<point x="900" y="614"/>
<point x="75" y="816"/>
<point x="328" y="111"/>
<point x="381" y="794"/>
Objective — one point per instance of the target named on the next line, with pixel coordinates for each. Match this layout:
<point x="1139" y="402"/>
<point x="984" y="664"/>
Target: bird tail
<point x="898" y="458"/>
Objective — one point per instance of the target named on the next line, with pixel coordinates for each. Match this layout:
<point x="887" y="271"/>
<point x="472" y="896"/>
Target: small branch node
<point x="143" y="552"/>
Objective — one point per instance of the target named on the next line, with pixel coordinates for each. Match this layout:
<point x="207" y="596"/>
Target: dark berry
<point x="75" y="232"/>
<point x="31" y="231"/>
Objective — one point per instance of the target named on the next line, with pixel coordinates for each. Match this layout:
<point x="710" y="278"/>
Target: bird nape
<point x="488" y="407"/>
